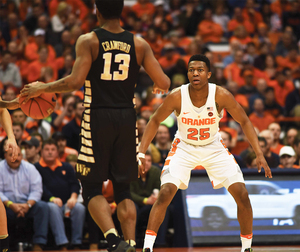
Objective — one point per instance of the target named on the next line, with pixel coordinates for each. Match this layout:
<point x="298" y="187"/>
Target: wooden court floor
<point x="221" y="249"/>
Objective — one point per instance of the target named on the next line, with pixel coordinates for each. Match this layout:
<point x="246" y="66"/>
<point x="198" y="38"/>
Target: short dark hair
<point x="18" y="124"/>
<point x="110" y="9"/>
<point x="262" y="139"/>
<point x="49" y="141"/>
<point x="200" y="57"/>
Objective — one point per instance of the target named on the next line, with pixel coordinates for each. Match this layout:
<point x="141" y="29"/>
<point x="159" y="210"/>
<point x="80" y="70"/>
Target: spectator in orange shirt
<point x="249" y="13"/>
<point x="65" y="114"/>
<point x="208" y="29"/>
<point x="262" y="35"/>
<point x="174" y="39"/>
<point x="154" y="41"/>
<point x="291" y="61"/>
<point x="259" y="118"/>
<point x="78" y="6"/>
<point x="248" y="89"/>
<point x="63" y="149"/>
<point x="160" y="13"/>
<point x="143" y="9"/>
<point x="36" y="69"/>
<point x="232" y="72"/>
<point x="270" y="68"/>
<point x="170" y="58"/>
<point x="31" y="49"/>
<point x="282" y="87"/>
<point x="241" y="35"/>
<point x="238" y="19"/>
<point x="276" y="130"/>
<point x="291" y="18"/>
<point x="271" y="105"/>
<point x="240" y="98"/>
<point x="279" y="6"/>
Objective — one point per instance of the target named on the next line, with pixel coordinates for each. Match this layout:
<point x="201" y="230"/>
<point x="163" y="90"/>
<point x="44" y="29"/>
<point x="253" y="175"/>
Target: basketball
<point x="39" y="107"/>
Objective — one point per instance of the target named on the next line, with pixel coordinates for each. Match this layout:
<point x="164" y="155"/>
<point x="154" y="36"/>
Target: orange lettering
<point x="190" y="121"/>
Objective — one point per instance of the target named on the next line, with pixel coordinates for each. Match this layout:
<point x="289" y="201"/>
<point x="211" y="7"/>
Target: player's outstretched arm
<point x="13" y="104"/>
<point x="225" y="100"/>
<point x="72" y="82"/>
<point x="152" y="67"/>
<point x="5" y="121"/>
<point x="171" y="103"/>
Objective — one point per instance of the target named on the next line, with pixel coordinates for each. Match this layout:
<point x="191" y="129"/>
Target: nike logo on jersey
<point x="198" y="122"/>
<point x="185" y="113"/>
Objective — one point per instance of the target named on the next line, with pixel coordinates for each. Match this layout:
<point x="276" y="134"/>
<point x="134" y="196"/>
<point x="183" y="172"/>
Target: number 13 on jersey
<point x="194" y="134"/>
<point x="123" y="60"/>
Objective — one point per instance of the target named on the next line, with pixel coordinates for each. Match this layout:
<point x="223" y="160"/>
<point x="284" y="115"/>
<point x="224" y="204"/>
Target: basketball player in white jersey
<point x="198" y="106"/>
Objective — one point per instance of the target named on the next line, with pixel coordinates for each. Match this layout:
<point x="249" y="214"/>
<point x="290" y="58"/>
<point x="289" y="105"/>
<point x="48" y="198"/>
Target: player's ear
<point x="208" y="75"/>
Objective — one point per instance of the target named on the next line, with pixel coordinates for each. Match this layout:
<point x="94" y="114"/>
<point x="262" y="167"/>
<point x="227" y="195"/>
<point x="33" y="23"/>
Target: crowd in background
<point x="253" y="47"/>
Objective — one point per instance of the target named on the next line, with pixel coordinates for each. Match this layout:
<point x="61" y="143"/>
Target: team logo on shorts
<point x="210" y="113"/>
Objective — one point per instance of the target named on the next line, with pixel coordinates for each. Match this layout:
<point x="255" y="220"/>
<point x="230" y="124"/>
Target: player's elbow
<point x="164" y="83"/>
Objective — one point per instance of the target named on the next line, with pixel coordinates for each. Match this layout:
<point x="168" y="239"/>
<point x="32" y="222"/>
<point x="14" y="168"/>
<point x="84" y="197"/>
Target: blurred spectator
<point x="39" y="137"/>
<point x="296" y="146"/>
<point x="32" y="48"/>
<point x="240" y="98"/>
<point x="68" y="65"/>
<point x="282" y="87"/>
<point x="9" y="93"/>
<point x="261" y="35"/>
<point x="77" y="6"/>
<point x="59" y="20"/>
<point x="259" y="117"/>
<point x="189" y="15"/>
<point x="160" y="13"/>
<point x="227" y="138"/>
<point x="271" y="105"/>
<point x="260" y="60"/>
<point x="276" y="130"/>
<point x="60" y="190"/>
<point x="19" y="132"/>
<point x="72" y="129"/>
<point x="13" y="22"/>
<point x="270" y="67"/>
<point x="170" y="58"/>
<point x="291" y="135"/>
<point x="232" y="72"/>
<point x="208" y="29"/>
<point x="291" y="18"/>
<point x="31" y="21"/>
<point x="235" y="45"/>
<point x="240" y="34"/>
<point x="265" y="140"/>
<point x="238" y="19"/>
<point x="261" y="88"/>
<point x="220" y="17"/>
<point x="146" y="112"/>
<point x="287" y="158"/>
<point x="280" y="6"/>
<point x="248" y="89"/>
<point x="18" y="116"/>
<point x="21" y="191"/>
<point x="251" y="160"/>
<point x="143" y="8"/>
<point x="66" y="42"/>
<point x="174" y="38"/>
<point x="249" y="13"/>
<point x="37" y="68"/>
<point x="32" y="149"/>
<point x="144" y="193"/>
<point x="63" y="149"/>
<point x="65" y="114"/>
<point x="250" y="53"/>
<point x="9" y="72"/>
<point x="292" y="101"/>
<point x="163" y="142"/>
<point x="284" y="44"/>
<point x="291" y="61"/>
<point x="154" y="41"/>
<point x="39" y="127"/>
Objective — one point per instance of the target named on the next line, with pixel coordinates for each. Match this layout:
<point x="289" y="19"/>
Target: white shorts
<point x="220" y="165"/>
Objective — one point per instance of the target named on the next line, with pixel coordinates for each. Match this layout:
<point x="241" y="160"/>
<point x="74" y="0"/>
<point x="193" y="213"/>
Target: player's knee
<point x="244" y="199"/>
<point x="165" y="195"/>
<point x="89" y="191"/>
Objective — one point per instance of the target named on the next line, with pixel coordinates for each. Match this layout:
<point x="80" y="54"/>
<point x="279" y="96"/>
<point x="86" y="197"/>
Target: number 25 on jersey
<point x="123" y="60"/>
<point x="194" y="134"/>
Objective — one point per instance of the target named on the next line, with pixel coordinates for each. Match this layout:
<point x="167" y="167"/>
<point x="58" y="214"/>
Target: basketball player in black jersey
<point x="107" y="62"/>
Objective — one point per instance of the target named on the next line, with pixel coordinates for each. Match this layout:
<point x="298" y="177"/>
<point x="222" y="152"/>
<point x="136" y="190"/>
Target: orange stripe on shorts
<point x="150" y="232"/>
<point x="167" y="162"/>
<point x="199" y="167"/>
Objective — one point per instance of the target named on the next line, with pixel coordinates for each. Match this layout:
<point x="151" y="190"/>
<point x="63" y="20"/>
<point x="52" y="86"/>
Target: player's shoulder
<point x="222" y="92"/>
<point x="87" y="39"/>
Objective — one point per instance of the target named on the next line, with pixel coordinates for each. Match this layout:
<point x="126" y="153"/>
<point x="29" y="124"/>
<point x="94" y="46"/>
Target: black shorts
<point x="108" y="145"/>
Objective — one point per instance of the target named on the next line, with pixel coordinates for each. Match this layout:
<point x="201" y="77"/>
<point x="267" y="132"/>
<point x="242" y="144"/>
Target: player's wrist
<point x="141" y="155"/>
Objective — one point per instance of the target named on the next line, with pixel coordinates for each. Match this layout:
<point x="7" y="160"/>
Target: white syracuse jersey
<point x="198" y="126"/>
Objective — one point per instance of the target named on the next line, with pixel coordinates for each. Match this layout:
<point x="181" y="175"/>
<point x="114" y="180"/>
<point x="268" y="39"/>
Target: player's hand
<point x="31" y="90"/>
<point x="261" y="162"/>
<point x="11" y="144"/>
<point x="141" y="166"/>
<point x="157" y="90"/>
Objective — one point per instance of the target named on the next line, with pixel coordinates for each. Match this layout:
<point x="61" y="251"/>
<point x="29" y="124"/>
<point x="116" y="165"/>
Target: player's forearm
<point x="148" y="135"/>
<point x="67" y="84"/>
<point x="5" y="120"/>
<point x="165" y="83"/>
<point x="252" y="137"/>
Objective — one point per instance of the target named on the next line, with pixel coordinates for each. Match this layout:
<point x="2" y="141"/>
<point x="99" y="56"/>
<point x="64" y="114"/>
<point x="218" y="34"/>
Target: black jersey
<point x="111" y="80"/>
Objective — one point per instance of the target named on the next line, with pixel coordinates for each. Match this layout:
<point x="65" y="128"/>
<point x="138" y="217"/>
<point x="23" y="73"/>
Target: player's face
<point x="198" y="74"/>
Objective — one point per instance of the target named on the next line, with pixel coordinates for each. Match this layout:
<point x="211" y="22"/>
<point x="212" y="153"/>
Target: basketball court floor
<point x="221" y="249"/>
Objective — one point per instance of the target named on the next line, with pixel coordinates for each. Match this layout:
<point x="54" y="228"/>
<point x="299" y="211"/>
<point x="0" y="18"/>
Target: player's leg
<point x="4" y="244"/>
<point x="158" y="212"/>
<point x="244" y="212"/>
